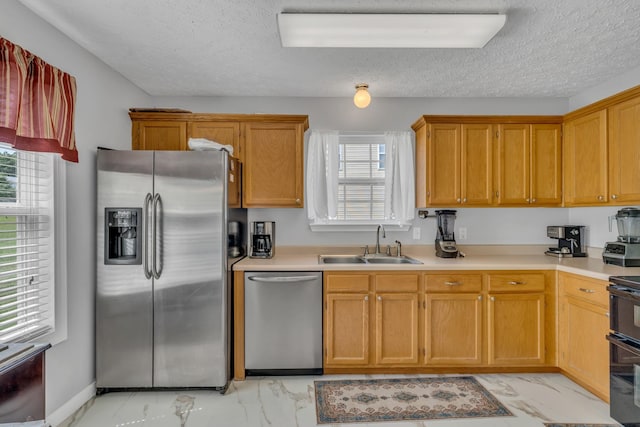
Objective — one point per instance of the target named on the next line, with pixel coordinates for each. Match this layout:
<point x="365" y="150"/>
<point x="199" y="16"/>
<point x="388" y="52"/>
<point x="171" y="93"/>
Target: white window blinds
<point x="26" y="244"/>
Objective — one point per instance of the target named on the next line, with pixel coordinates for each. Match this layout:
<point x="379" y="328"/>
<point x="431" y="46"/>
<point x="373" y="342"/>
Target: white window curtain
<point x="323" y="171"/>
<point x="322" y="175"/>
<point x="399" y="202"/>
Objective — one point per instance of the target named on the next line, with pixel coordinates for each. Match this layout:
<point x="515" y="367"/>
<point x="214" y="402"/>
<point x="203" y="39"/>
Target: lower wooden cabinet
<point x="413" y="320"/>
<point x="516" y="329"/>
<point x="347" y="329"/>
<point x="453" y="325"/>
<point x="396" y="329"/>
<point x="583" y="326"/>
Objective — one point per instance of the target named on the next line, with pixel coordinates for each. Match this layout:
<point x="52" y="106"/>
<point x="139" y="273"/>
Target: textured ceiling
<point x="547" y="48"/>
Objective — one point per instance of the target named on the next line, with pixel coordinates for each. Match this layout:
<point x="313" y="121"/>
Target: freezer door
<point x="124" y="316"/>
<point x="190" y="292"/>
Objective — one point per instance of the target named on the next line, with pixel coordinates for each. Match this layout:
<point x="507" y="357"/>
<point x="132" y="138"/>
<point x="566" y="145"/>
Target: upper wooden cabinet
<point x="273" y="158"/>
<point x="159" y="135"/>
<point x="529" y="165"/>
<point x="602" y="152"/>
<point x="269" y="146"/>
<point x="488" y="160"/>
<point x="624" y="152"/>
<point x="585" y="160"/>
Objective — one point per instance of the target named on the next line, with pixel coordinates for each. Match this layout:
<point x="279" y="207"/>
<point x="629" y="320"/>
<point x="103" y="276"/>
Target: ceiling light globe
<point x="362" y="98"/>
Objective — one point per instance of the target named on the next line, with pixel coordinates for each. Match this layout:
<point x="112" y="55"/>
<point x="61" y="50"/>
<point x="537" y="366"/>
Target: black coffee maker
<point x="445" y="237"/>
<point x="263" y="236"/>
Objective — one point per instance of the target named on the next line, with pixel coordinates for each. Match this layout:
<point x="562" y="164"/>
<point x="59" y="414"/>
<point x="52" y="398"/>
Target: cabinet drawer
<point x="396" y="283"/>
<point x="586" y="289"/>
<point x="346" y="283"/>
<point x="524" y="282"/>
<point x="453" y="283"/>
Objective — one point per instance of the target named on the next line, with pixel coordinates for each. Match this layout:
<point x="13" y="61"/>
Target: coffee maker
<point x="626" y="250"/>
<point x="263" y="239"/>
<point x="445" y="238"/>
<point x="571" y="241"/>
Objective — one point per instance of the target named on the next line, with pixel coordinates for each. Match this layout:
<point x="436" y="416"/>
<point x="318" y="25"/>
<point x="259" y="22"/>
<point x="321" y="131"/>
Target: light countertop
<point x="480" y="257"/>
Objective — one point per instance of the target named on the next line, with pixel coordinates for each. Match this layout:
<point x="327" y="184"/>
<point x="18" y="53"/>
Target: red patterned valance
<point x="36" y="103"/>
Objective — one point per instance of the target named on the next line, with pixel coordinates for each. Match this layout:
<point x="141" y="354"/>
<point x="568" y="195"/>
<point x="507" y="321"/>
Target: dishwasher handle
<point x="280" y="279"/>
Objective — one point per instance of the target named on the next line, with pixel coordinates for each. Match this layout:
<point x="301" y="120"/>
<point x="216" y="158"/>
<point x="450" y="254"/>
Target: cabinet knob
<point x="614" y="196"/>
<point x="298" y="201"/>
<point x="366" y="297"/>
<point x="493" y="298"/>
<point x="497" y="194"/>
<point x="458" y="200"/>
<point x="527" y="200"/>
<point x="533" y="200"/>
<point x="607" y="314"/>
<point x="601" y="198"/>
<point x="464" y="200"/>
<point x="479" y="297"/>
<point x="379" y="298"/>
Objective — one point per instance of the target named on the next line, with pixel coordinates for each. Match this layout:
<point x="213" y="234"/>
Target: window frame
<point x="57" y="270"/>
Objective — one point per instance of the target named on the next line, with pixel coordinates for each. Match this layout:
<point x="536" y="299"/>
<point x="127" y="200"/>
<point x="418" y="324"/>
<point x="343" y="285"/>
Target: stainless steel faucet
<point x="378" y="237"/>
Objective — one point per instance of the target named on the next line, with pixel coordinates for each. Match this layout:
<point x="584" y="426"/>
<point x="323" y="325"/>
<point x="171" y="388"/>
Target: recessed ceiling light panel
<point x="388" y="30"/>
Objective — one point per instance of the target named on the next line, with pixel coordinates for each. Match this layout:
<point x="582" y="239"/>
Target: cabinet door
<point x="159" y="135"/>
<point x="513" y="164"/>
<point x="396" y="328"/>
<point x="546" y="165"/>
<point x="226" y="133"/>
<point x="453" y="325"/>
<point x="347" y="329"/>
<point x="273" y="174"/>
<point x="585" y="160"/>
<point x="516" y="329"/>
<point x="584" y="351"/>
<point x="476" y="164"/>
<point x="624" y="152"/>
<point x="444" y="164"/>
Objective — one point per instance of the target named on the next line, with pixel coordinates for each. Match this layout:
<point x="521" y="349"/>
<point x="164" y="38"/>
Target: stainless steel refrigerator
<point x="163" y="298"/>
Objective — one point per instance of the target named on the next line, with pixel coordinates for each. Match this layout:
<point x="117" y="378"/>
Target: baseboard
<point x="58" y="416"/>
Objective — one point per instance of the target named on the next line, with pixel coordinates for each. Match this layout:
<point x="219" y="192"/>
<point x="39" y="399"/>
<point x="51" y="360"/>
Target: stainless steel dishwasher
<point x="283" y="323"/>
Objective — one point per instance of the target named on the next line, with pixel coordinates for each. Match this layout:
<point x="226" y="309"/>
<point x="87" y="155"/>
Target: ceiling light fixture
<point x="371" y="30"/>
<point x="362" y="98"/>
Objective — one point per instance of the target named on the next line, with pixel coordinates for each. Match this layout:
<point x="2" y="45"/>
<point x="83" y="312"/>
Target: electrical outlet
<point x="462" y="233"/>
<point x="416" y="233"/>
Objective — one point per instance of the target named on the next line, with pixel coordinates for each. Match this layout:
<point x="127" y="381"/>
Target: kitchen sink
<point x="367" y="259"/>
<point x="340" y="259"/>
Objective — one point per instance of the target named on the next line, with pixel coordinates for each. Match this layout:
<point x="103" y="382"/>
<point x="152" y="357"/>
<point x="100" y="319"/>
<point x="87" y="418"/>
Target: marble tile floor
<point x="289" y="402"/>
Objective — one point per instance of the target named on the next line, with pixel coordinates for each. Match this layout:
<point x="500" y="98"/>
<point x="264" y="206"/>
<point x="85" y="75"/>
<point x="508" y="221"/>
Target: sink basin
<point x="392" y="260"/>
<point x="373" y="259"/>
<point x="340" y="259"/>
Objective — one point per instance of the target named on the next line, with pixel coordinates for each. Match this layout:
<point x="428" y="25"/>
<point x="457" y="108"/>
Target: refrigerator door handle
<point x="145" y="242"/>
<point x="156" y="265"/>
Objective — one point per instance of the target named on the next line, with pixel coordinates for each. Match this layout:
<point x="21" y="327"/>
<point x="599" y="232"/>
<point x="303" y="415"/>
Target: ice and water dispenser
<point x="123" y="236"/>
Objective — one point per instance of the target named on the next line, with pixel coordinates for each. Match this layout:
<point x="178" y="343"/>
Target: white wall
<point x="103" y="98"/>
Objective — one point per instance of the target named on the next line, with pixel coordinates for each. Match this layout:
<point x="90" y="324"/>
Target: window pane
<point x="8" y="176"/>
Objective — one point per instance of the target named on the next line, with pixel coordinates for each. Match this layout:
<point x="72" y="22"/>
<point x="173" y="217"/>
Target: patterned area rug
<point x="352" y="401"/>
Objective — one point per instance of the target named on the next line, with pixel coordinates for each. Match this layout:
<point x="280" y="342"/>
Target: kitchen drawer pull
<point x="453" y="283"/>
<point x="281" y="279"/>
<point x="515" y="282"/>
<point x="586" y="291"/>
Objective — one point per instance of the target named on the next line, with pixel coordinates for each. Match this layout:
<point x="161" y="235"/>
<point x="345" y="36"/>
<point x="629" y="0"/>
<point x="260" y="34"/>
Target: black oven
<point x="624" y="349"/>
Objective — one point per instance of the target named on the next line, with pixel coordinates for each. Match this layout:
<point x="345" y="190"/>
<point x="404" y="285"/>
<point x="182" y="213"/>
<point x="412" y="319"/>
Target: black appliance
<point x="571" y="241"/>
<point x="445" y="237"/>
<point x="263" y="239"/>
<point x="624" y="348"/>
